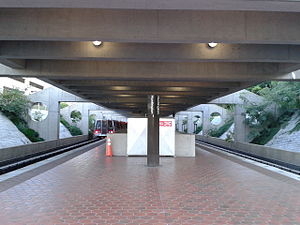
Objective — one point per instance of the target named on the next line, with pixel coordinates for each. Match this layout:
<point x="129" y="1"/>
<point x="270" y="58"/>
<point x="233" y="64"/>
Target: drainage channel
<point x="51" y="153"/>
<point x="216" y="147"/>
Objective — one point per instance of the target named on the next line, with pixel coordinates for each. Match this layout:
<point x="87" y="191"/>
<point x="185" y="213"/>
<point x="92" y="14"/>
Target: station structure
<point x="150" y="55"/>
<point x="150" y="59"/>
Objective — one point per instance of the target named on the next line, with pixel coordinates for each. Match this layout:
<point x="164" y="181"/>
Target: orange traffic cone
<point x="108" y="147"/>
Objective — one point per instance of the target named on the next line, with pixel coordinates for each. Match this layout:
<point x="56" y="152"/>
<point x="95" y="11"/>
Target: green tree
<point x="76" y="116"/>
<point x="285" y="94"/>
<point x="73" y="129"/>
<point x="257" y="88"/>
<point x="14" y="103"/>
<point x="63" y="105"/>
<point x="265" y="123"/>
<point x="92" y="120"/>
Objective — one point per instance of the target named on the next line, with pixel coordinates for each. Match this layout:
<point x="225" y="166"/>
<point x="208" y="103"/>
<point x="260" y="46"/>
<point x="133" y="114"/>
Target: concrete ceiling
<point x="150" y="51"/>
<point x="258" y="5"/>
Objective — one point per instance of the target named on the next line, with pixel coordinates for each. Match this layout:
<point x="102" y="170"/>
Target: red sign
<point x="165" y="123"/>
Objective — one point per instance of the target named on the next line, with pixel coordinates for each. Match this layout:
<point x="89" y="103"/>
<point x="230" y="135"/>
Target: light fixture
<point x="124" y="95"/>
<point x="120" y="88"/>
<point x="212" y="44"/>
<point x="177" y="88"/>
<point x="97" y="43"/>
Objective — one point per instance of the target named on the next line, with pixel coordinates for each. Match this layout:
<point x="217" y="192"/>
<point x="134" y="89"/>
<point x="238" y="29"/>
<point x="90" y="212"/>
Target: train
<point x="103" y="127"/>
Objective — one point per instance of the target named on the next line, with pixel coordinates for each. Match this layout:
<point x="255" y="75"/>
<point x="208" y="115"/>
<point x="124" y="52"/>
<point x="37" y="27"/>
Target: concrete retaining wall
<point x="282" y="157"/>
<point x="118" y="144"/>
<point x="20" y="152"/>
<point x="184" y="144"/>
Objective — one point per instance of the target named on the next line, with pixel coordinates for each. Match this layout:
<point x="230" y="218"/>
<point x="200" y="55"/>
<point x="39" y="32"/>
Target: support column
<point x="153" y="131"/>
<point x="205" y="119"/>
<point x="190" y="124"/>
<point x="241" y="130"/>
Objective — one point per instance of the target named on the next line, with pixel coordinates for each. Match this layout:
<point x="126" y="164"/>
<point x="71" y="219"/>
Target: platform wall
<point x="282" y="157"/>
<point x="184" y="145"/>
<point x="19" y="152"/>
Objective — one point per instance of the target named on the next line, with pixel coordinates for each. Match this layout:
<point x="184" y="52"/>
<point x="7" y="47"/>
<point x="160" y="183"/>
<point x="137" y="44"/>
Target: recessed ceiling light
<point x="120" y="88"/>
<point x="212" y="44"/>
<point x="124" y="95"/>
<point x="97" y="43"/>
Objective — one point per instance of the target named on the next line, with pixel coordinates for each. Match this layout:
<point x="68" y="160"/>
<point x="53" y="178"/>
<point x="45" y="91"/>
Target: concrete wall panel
<point x="15" y="153"/>
<point x="119" y="144"/>
<point x="185" y="145"/>
<point x="283" y="157"/>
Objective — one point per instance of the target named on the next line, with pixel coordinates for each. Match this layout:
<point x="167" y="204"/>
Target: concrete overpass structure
<point x="150" y="48"/>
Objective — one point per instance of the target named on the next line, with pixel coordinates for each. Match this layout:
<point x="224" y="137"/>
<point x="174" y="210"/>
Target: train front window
<point x="98" y="125"/>
<point x="110" y="125"/>
<point x="104" y="123"/>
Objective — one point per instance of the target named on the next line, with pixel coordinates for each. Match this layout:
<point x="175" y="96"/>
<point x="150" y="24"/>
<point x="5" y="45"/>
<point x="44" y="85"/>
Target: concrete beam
<point x="13" y="63"/>
<point x="183" y="101"/>
<point x="145" y="89"/>
<point x="155" y="26"/>
<point x="260" y="5"/>
<point x="289" y="67"/>
<point x="110" y="51"/>
<point x="139" y="93"/>
<point x="140" y="83"/>
<point x="53" y="69"/>
<point x="293" y="76"/>
<point x="137" y="105"/>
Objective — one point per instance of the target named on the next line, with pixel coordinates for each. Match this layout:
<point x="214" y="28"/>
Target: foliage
<point x="262" y="121"/>
<point x="92" y="120"/>
<point x="221" y="130"/>
<point x="184" y="125"/>
<point x="14" y="105"/>
<point x="76" y="116"/>
<point x="197" y="119"/>
<point x="296" y="128"/>
<point x="229" y="137"/>
<point x="31" y="134"/>
<point x="75" y="131"/>
<point x="265" y="124"/>
<point x="257" y="88"/>
<point x="63" y="105"/>
<point x="199" y="129"/>
<point x="229" y="107"/>
<point x="285" y="94"/>
<point x="213" y="116"/>
<point x="37" y="115"/>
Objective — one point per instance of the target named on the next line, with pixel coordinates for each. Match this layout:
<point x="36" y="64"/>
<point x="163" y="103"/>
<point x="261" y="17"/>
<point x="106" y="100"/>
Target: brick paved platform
<point x="93" y="189"/>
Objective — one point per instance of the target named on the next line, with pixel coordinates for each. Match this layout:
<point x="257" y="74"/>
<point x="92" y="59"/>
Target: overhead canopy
<point x="150" y="48"/>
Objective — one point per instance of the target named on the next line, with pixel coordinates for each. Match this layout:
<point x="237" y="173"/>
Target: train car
<point x="102" y="127"/>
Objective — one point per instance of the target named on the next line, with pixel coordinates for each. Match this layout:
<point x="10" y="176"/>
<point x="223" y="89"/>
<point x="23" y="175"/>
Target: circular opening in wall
<point x="75" y="116"/>
<point x="38" y="112"/>
<point x="252" y="120"/>
<point x="215" y="118"/>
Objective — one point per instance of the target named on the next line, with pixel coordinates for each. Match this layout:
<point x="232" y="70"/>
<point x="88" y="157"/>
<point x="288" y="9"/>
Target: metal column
<point x="153" y="131"/>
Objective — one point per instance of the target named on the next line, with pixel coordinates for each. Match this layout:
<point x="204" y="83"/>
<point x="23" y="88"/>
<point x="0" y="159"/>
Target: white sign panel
<point x="137" y="136"/>
<point x="166" y="137"/>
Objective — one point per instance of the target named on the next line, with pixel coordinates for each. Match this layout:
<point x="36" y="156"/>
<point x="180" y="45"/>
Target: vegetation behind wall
<point x="221" y="130"/>
<point x="75" y="131"/>
<point x="15" y="105"/>
<point x="264" y="122"/>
